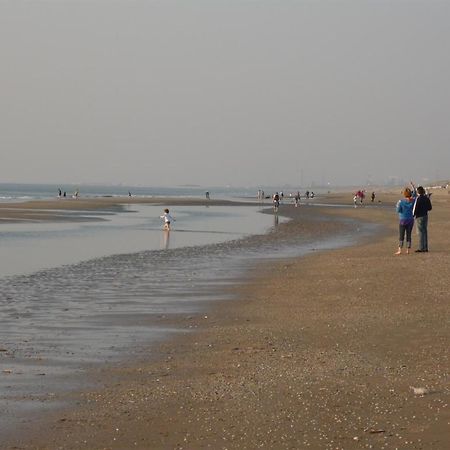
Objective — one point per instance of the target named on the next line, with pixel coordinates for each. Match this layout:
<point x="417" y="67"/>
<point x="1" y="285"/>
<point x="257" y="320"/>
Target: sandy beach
<point x="344" y="349"/>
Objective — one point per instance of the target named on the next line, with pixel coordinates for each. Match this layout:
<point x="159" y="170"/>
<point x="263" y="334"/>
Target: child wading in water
<point x="167" y="219"/>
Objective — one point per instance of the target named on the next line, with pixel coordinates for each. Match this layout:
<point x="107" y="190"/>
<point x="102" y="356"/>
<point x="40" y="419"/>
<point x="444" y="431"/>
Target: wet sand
<point x="317" y="352"/>
<point x="44" y="210"/>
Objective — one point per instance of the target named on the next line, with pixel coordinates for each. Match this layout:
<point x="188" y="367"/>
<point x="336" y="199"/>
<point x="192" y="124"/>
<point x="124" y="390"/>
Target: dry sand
<point x="318" y="352"/>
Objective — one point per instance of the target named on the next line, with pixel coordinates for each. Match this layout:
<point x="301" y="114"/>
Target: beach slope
<point x="336" y="350"/>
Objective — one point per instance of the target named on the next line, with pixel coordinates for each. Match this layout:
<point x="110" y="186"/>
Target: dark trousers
<point x="402" y="230"/>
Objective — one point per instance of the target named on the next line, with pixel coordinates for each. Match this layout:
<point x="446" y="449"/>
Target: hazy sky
<point x="217" y="92"/>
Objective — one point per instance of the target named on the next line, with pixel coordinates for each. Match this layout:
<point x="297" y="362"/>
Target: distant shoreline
<point x="45" y="210"/>
<point x="53" y="209"/>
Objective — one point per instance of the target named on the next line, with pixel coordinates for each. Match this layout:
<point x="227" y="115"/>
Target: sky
<point x="224" y="92"/>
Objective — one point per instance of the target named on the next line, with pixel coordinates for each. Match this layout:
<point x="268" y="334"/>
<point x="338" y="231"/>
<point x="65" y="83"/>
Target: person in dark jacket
<point x="421" y="207"/>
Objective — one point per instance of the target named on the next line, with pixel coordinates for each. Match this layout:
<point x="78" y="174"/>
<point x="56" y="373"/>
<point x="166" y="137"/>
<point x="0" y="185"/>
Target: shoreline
<point x="57" y="209"/>
<point x="310" y="341"/>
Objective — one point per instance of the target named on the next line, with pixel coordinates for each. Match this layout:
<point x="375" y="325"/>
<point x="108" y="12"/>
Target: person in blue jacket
<point x="404" y="209"/>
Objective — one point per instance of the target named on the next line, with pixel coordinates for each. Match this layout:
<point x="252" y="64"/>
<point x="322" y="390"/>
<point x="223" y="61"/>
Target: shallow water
<point x="29" y="247"/>
<point x="78" y="293"/>
<point x="58" y="321"/>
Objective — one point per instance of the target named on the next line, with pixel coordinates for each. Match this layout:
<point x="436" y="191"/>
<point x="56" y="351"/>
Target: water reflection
<point x="275" y="220"/>
<point x="165" y="239"/>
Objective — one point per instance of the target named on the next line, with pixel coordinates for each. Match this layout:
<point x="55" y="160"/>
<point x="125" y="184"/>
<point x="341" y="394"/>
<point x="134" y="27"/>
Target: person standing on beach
<point x="404" y="209"/>
<point x="167" y="219"/>
<point x="420" y="211"/>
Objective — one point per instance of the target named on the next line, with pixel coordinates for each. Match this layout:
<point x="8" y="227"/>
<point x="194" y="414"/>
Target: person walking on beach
<point x="404" y="209"/>
<point x="276" y="201"/>
<point x="361" y="196"/>
<point x="420" y="211"/>
<point x="167" y="219"/>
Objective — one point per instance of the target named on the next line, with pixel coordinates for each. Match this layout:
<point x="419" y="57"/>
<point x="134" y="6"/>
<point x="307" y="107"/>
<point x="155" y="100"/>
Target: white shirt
<point x="167" y="218"/>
